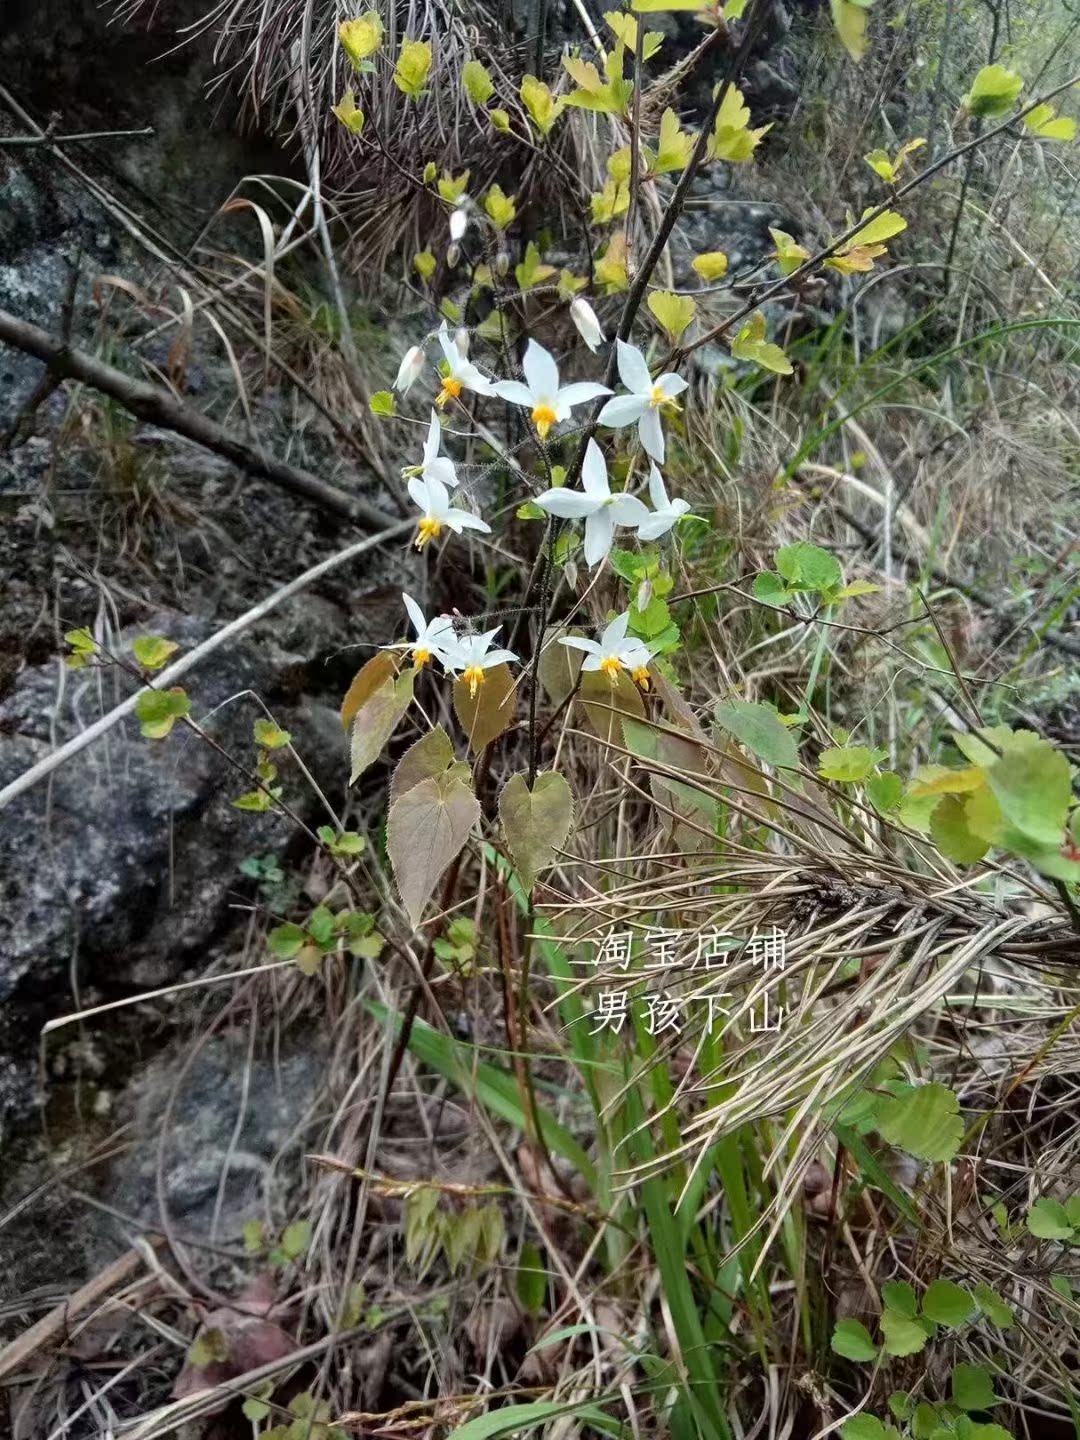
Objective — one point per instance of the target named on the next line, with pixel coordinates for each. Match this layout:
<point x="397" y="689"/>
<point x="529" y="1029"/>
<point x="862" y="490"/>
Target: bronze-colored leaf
<point x="426" y="829"/>
<point x="604" y="702"/>
<point x="433" y="754"/>
<point x="375" y="720"/>
<point x="487" y="714"/>
<point x="366" y="681"/>
<point x="559" y="666"/>
<point x="535" y="822"/>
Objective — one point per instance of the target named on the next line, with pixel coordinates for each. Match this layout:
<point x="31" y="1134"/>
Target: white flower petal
<point x="633" y="371"/>
<point x="599" y="533"/>
<point x="442" y="469"/>
<point x="514" y="391"/>
<point x="471" y="377"/>
<point x="594" y="476"/>
<point x="418" y="492"/>
<point x="671" y="384"/>
<point x="438" y="497"/>
<point x="651" y="434"/>
<point x="627" y="510"/>
<point x="655" y="526"/>
<point x="592" y="662"/>
<point x="434" y="438"/>
<point x="581" y="391"/>
<point x="588" y="326"/>
<point x="415" y="614"/>
<point x="449" y="349"/>
<point x="615" y="633"/>
<point x="579" y="642"/>
<point x="568" y="504"/>
<point x="541" y="373"/>
<point x="459" y="520"/>
<point x="657" y="493"/>
<point x="623" y="410"/>
<point x="498" y="657"/>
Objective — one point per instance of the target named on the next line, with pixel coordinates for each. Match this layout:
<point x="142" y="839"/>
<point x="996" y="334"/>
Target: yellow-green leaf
<point x="383" y="404"/>
<point x="477" y="82"/>
<point x="1041" y="122"/>
<point x="654" y="7"/>
<point x="993" y="93"/>
<point x="673" y="312"/>
<point x="789" y="254"/>
<point x="732" y="139"/>
<point x="750" y="344"/>
<point x="541" y="104"/>
<point x="500" y="207"/>
<point x="425" y="263"/>
<point x="624" y="28"/>
<point x="269" y="734"/>
<point x="673" y="146"/>
<point x="850" y="20"/>
<point x="453" y="187"/>
<point x="348" y="112"/>
<point x="152" y="651"/>
<point x="611" y="269"/>
<point x="500" y="120"/>
<point x="413" y="67"/>
<point x="712" y="265"/>
<point x="606" y="204"/>
<point x="361" y="37"/>
<point x="159" y="710"/>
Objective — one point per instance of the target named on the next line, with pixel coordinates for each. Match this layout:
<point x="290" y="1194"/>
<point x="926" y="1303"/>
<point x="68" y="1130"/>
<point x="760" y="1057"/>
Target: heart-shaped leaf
<point x="375" y="720"/>
<point x="426" y="829"/>
<point x="535" y="822"/>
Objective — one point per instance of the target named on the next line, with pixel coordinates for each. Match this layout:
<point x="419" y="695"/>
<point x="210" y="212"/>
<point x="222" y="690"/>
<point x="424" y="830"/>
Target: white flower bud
<point x="588" y="326"/>
<point x="502" y="263"/>
<point x="459" y="223"/>
<point x="453" y="255"/>
<point x="410" y="369"/>
<point x="461" y="340"/>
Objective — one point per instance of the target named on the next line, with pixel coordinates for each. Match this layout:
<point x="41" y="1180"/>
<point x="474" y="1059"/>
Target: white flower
<point x="462" y="376"/>
<point x="434" y="466"/>
<point x="614" y="652"/>
<point x="646" y="399"/>
<point x="432" y="636"/>
<point x="588" y="326"/>
<point x="596" y="505"/>
<point x="469" y="657"/>
<point x="437" y="514"/>
<point x="541" y="394"/>
<point x="459" y="223"/>
<point x="410" y="369"/>
<point x="665" y="511"/>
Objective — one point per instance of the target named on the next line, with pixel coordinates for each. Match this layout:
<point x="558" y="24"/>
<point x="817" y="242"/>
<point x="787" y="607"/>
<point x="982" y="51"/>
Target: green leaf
<point x="852" y="1340"/>
<point x="863" y="1427"/>
<point x="948" y="1304"/>
<point x="808" y="567"/>
<point x="424" y="263"/>
<point x="158" y="711"/>
<point x="1033" y="788"/>
<point x="951" y="833"/>
<point x="531" y="1279"/>
<point x="750" y="344"/>
<point x="850" y="22"/>
<point x="993" y="93"/>
<point x="857" y="588"/>
<point x="513" y="1419"/>
<point x="501" y="208"/>
<point x="295" y="1238"/>
<point x="760" y="729"/>
<point x="536" y="823"/>
<point x="846" y="763"/>
<point x="973" y="1388"/>
<point x="210" y="1347"/>
<point x="903" y="1335"/>
<point x="925" y="1121"/>
<point x="993" y="1306"/>
<point x="885" y="791"/>
<point x="285" y="940"/>
<point x="427" y="827"/>
<point x="152" y="651"/>
<point x="529" y="271"/>
<point x="1049" y="1220"/>
<point x="672" y="312"/>
<point x="899" y="1297"/>
<point x="771" y="589"/>
<point x="413" y="67"/>
<point x="543" y="108"/>
<point x="1042" y="122"/>
<point x="270" y="735"/>
<point x="477" y="82"/>
<point x="383" y="402"/>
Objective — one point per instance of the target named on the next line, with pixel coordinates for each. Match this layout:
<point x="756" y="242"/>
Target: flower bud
<point x="588" y="326"/>
<point x="459" y="223"/>
<point x="410" y="369"/>
<point x="453" y="255"/>
<point x="502" y="263"/>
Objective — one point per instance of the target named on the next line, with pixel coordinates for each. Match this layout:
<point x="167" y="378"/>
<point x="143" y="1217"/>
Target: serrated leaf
<point x="952" y="834"/>
<point x="673" y="312"/>
<point x="903" y="1334"/>
<point x="424" y="264"/>
<point x="972" y="1388"/>
<point x="1033" y="788"/>
<point x="491" y="711"/>
<point x="152" y="651"/>
<point x="853" y="1341"/>
<point x="535" y="823"/>
<point x="376" y="720"/>
<point x="948" y="1304"/>
<point x="559" y="666"/>
<point x="1049" y="1220"/>
<point x="431" y="755"/>
<point x="295" y="1238"/>
<point x="711" y="265"/>
<point x="541" y="104"/>
<point x="383" y="403"/>
<point x="673" y="148"/>
<point x="158" y="711"/>
<point x="426" y="830"/>
<point x="285" y="941"/>
<point x="846" y="763"/>
<point x="269" y="734"/>
<point x="771" y="589"/>
<point x="349" y="113"/>
<point x="899" y="1297"/>
<point x="413" y="67"/>
<point x="925" y="1121"/>
<point x="996" y="1310"/>
<point x="362" y="37"/>
<point x="851" y="25"/>
<point x="760" y="729"/>
<point x="501" y="208"/>
<point x="885" y="791"/>
<point x="808" y="567"/>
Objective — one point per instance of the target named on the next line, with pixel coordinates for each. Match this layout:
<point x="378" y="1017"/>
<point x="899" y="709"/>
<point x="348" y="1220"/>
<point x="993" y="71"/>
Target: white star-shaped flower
<point x="646" y="399"/>
<point x="463" y="375"/>
<point x="432" y="636"/>
<point x="541" y="395"/>
<point x="595" y="504"/>
<point x="433" y="499"/>
<point x="665" y="511"/>
<point x="434" y="466"/>
<point x="613" y="652"/>
<point x="469" y="656"/>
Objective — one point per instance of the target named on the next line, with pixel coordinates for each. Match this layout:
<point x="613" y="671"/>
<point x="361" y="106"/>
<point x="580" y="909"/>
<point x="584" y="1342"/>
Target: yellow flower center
<point x="451" y="389"/>
<point x="544" y="418"/>
<point x="611" y="665"/>
<point x="428" y="529"/>
<point x="421" y="656"/>
<point x="640" y="676"/>
<point x="659" y="401"/>
<point x="474" y="678"/>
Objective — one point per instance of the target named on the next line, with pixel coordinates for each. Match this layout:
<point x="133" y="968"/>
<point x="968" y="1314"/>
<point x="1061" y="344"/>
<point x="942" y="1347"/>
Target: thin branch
<point x="46" y="139"/>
